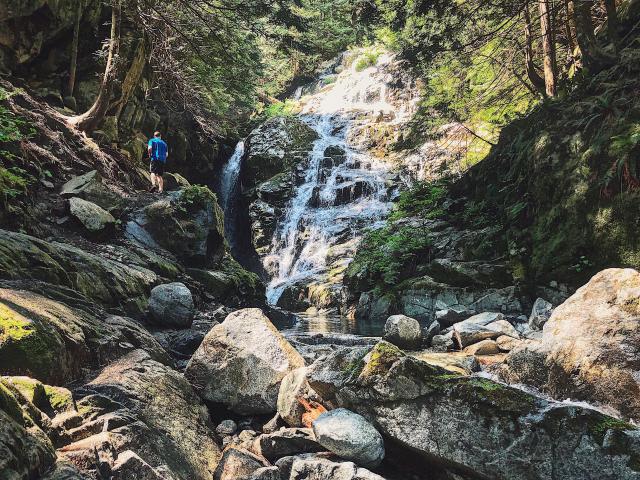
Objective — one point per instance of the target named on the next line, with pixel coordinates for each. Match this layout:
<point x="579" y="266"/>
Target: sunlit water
<point x="337" y="200"/>
<point x="228" y="188"/>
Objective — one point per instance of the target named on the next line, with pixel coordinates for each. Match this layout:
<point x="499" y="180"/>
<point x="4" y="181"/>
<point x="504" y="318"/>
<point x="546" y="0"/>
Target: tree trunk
<point x="534" y="77"/>
<point x="612" y="22"/>
<point x="593" y="58"/>
<point x="549" y="48"/>
<point x="91" y="119"/>
<point x="132" y="79"/>
<point x="71" y="86"/>
<point x="570" y="31"/>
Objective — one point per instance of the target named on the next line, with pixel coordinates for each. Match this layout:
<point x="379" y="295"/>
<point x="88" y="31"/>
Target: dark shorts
<point x="157" y="167"/>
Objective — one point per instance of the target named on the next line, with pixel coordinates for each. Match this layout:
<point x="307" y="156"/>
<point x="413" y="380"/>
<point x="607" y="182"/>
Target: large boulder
<point x="238" y="464"/>
<point x="140" y="417"/>
<point x="55" y="343"/>
<point x="241" y="363"/>
<point x="92" y="188"/>
<point x="589" y="347"/>
<point x="231" y="283"/>
<point x="472" y="424"/>
<point x="286" y="441"/>
<point x="349" y="436"/>
<point x="171" y="305"/>
<point x="188" y="223"/>
<point x="95" y="220"/>
<point x="105" y="281"/>
<point x="403" y="331"/>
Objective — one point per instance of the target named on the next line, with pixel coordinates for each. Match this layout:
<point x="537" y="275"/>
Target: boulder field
<point x="110" y="403"/>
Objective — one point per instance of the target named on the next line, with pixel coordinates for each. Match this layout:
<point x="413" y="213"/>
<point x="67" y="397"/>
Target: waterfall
<point x="228" y="188"/>
<point x="345" y="189"/>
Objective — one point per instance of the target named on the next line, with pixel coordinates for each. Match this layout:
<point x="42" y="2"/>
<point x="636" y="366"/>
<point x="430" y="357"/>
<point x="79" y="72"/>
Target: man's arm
<point x="150" y="148"/>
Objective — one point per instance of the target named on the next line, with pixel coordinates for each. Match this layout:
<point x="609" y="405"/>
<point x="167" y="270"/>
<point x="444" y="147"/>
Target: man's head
<point x="157" y="135"/>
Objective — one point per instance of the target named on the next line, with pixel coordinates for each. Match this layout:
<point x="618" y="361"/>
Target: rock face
<point x="171" y="304"/>
<point x="93" y="218"/>
<point x="443" y="416"/>
<point x="349" y="436"/>
<point x="25" y="450"/>
<point x="589" y="345"/>
<point x="274" y="153"/>
<point x="144" y="407"/>
<point x="54" y="343"/>
<point x="105" y="281"/>
<point x="241" y="363"/>
<point x="403" y="331"/>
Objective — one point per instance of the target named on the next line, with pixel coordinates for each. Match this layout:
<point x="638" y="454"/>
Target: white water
<point x="228" y="185"/>
<point x="302" y="245"/>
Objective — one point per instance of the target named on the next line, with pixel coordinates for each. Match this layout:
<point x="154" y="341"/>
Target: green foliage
<point x="389" y="254"/>
<point x="196" y="197"/>
<point x="420" y="201"/>
<point x="288" y="108"/>
<point x="368" y="58"/>
<point x="13" y="182"/>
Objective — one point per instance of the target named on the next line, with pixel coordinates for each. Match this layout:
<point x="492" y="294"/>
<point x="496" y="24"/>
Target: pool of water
<point x="322" y="323"/>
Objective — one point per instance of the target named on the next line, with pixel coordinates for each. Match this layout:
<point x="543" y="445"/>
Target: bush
<point x="366" y="60"/>
<point x="389" y="255"/>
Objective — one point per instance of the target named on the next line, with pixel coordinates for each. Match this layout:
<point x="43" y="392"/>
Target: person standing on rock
<point x="158" y="153"/>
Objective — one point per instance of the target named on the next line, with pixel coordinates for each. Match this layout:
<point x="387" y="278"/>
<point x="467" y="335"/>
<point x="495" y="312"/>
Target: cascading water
<point x="228" y="187"/>
<point x="345" y="189"/>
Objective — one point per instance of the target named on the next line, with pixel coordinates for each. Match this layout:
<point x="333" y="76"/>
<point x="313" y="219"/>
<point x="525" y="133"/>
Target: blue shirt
<point x="159" y="150"/>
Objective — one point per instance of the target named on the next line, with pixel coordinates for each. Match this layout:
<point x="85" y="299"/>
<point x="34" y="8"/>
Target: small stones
<point x="226" y="427"/>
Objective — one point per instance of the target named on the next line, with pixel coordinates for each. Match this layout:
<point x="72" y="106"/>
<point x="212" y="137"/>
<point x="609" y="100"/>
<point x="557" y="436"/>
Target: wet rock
<point x="171" y="304"/>
<point x="237" y="464"/>
<point x="349" y="436"/>
<point x="241" y="363"/>
<point x="464" y="274"/>
<point x="95" y="220"/>
<point x="403" y="331"/>
<point x="442" y="416"/>
<point x="287" y="441"/>
<point x="457" y="362"/>
<point x="540" y="313"/>
<point x="105" y="281"/>
<point x="276" y="146"/>
<point x="588" y="349"/>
